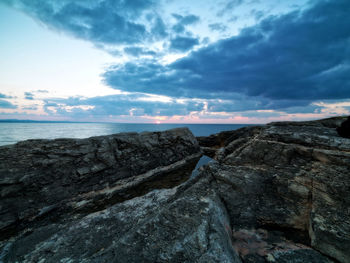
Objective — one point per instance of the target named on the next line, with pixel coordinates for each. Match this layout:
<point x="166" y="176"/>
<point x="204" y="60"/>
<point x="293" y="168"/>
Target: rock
<point x="185" y="224"/>
<point x="47" y="179"/>
<point x="297" y="256"/>
<point x="213" y="142"/>
<point x="332" y="122"/>
<point x="276" y="193"/>
<point x="344" y="129"/>
<point x="271" y="246"/>
<point x="292" y="178"/>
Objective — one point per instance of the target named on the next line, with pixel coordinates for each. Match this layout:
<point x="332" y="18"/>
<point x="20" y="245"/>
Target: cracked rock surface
<point x="46" y="180"/>
<point x="184" y="224"/>
<point x="292" y="179"/>
<point x="276" y="193"/>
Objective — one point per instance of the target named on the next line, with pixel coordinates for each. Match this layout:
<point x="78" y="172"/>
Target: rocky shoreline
<point x="274" y="193"/>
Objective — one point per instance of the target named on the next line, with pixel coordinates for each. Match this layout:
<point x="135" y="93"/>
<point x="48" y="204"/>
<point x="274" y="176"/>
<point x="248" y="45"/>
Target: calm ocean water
<point x="13" y="132"/>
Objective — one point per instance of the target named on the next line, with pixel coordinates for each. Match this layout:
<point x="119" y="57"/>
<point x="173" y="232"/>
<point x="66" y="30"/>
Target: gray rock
<point x="290" y="177"/>
<point x="48" y="179"/>
<point x="185" y="224"/>
<point x="276" y="193"/>
<point x="297" y="256"/>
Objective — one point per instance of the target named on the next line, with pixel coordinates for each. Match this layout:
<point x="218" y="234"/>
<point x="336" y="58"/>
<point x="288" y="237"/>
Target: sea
<point x="12" y="132"/>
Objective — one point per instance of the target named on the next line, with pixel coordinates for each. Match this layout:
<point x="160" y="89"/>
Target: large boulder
<point x="289" y="177"/>
<point x="185" y="224"/>
<point x="43" y="180"/>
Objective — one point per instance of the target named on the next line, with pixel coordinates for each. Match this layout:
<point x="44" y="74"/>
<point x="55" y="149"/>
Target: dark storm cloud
<point x="28" y="96"/>
<point x="7" y="105"/>
<point x="150" y="77"/>
<point x="295" y="58"/>
<point x="105" y="21"/>
<point x="183" y="43"/>
<point x="183" y="21"/>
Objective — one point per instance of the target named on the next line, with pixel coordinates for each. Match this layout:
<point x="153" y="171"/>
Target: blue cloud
<point x="159" y="29"/>
<point x="239" y="103"/>
<point x="183" y="21"/>
<point x="218" y="27"/>
<point x="289" y="60"/>
<point x="28" y="96"/>
<point x="257" y="14"/>
<point x="138" y="51"/>
<point x="183" y="43"/>
<point x="7" y="105"/>
<point x="30" y="108"/>
<point x="102" y="22"/>
<point x="4" y="96"/>
<point x="255" y="114"/>
<point x="186" y="20"/>
<point x="134" y="104"/>
<point x="229" y="6"/>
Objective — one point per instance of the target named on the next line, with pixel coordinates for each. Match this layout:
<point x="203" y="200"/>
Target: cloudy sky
<point x="179" y="61"/>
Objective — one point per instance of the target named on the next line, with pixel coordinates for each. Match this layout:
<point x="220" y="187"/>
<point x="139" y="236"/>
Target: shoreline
<point x="263" y="197"/>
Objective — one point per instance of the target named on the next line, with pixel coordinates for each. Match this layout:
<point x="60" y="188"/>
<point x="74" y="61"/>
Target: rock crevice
<point x="64" y="176"/>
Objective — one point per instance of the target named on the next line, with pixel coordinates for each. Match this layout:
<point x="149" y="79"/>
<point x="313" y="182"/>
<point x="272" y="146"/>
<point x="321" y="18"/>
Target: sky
<point x="174" y="61"/>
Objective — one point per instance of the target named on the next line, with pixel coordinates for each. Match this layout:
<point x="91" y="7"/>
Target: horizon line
<point x="154" y="123"/>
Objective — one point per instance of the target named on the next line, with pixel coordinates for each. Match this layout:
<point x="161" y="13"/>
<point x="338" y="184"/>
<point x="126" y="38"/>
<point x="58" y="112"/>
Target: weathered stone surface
<point x="41" y="178"/>
<point x="276" y="193"/>
<point x="185" y="224"/>
<point x="213" y="142"/>
<point x="271" y="246"/>
<point x="291" y="177"/>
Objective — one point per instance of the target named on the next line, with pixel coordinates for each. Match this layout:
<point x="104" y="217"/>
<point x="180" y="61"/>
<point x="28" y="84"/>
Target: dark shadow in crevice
<point x="344" y="129"/>
<point x="292" y="234"/>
